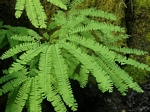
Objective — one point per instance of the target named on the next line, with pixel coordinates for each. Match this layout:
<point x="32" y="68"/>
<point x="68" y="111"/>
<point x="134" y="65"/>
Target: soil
<point x="89" y="99"/>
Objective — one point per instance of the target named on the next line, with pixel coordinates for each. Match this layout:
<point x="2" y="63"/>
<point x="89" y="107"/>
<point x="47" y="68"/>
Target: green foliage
<point x="35" y="10"/>
<point x="45" y="65"/>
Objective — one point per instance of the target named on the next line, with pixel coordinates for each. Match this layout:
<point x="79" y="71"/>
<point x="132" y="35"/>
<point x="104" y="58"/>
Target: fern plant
<point x="45" y="64"/>
<point x="35" y="10"/>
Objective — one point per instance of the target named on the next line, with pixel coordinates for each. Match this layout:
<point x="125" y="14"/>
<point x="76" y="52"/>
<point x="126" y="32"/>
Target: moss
<point x="148" y="36"/>
<point x="138" y="75"/>
<point x="141" y="3"/>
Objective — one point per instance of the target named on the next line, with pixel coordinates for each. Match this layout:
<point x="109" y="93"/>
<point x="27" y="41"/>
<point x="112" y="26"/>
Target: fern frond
<point x="63" y="81"/>
<point x="71" y="61"/>
<point x="105" y="28"/>
<point x="58" y="3"/>
<point x="25" y="58"/>
<point x="57" y="19"/>
<point x="127" y="81"/>
<point x="19" y="48"/>
<point x="20" y="5"/>
<point x="128" y="50"/>
<point x="45" y="65"/>
<point x="2" y="37"/>
<point x="82" y="77"/>
<point x="40" y="13"/>
<point x="22" y="96"/>
<point x="12" y="84"/>
<point x="104" y="81"/>
<point x="111" y="70"/>
<point x="23" y="38"/>
<point x="56" y="100"/>
<point x="75" y="3"/>
<point x="14" y="75"/>
<point x="93" y="45"/>
<point x="123" y="59"/>
<point x="95" y="13"/>
<point x="11" y="98"/>
<point x="35" y="98"/>
<point x="33" y="14"/>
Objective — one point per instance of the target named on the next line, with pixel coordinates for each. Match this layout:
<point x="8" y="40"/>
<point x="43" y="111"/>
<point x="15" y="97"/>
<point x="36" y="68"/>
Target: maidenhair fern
<point x="35" y="10"/>
<point x="44" y="66"/>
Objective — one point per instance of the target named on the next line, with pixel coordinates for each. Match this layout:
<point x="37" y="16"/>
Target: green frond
<point x="82" y="77"/>
<point x="111" y="70"/>
<point x="19" y="48"/>
<point x="93" y="45"/>
<point x="17" y="33"/>
<point x="57" y="20"/>
<point x="40" y="13"/>
<point x="52" y="93"/>
<point x="96" y="13"/>
<point x="128" y="50"/>
<point x="23" y="38"/>
<point x="52" y="25"/>
<point x="19" y="7"/>
<point x="45" y="66"/>
<point x="35" y="97"/>
<point x="104" y="81"/>
<point x="123" y="59"/>
<point x="35" y="13"/>
<point x="22" y="96"/>
<point x="75" y="21"/>
<point x="58" y="3"/>
<point x="2" y="37"/>
<point x="60" y="70"/>
<point x="11" y="98"/>
<point x="14" y="75"/>
<point x="25" y="58"/>
<point x="109" y="38"/>
<point x="12" y="84"/>
<point x="56" y="100"/>
<point x="74" y="3"/>
<point x="71" y="61"/>
<point x="123" y="81"/>
<point x="93" y="25"/>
